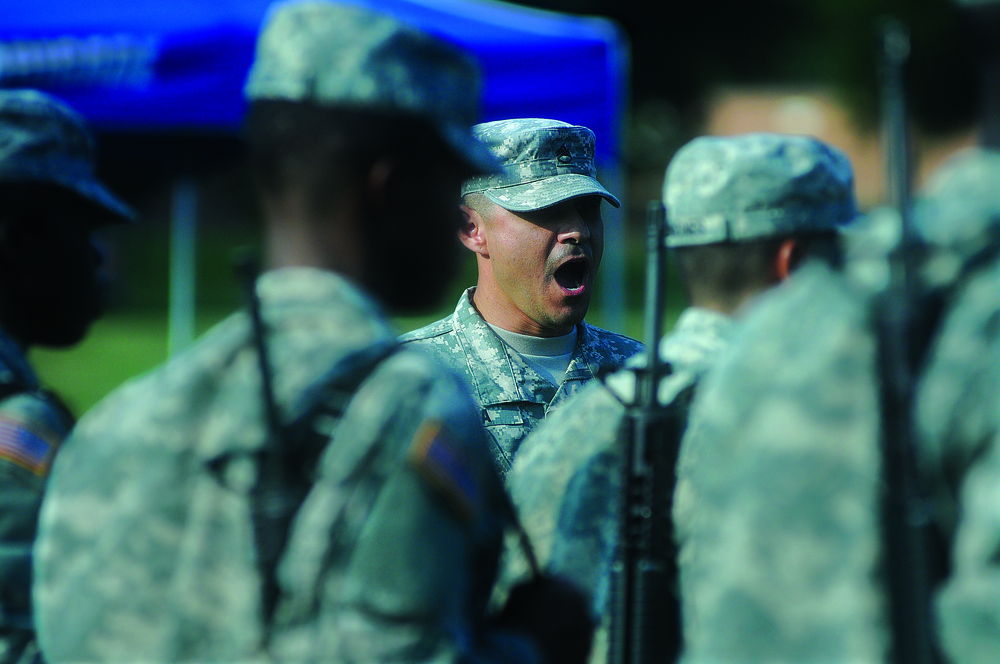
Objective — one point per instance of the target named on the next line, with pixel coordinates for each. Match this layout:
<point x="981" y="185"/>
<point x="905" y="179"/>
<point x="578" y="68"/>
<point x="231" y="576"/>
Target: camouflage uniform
<point x="724" y="621"/>
<point x="543" y="162"/>
<point x="567" y="493"/>
<point x="373" y="552"/>
<point x="33" y="423"/>
<point x="566" y="478"/>
<point x="513" y="397"/>
<point x="42" y="141"/>
<point x="782" y="560"/>
<point x="148" y="547"/>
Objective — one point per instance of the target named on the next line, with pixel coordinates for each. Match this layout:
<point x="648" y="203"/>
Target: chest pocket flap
<point x="503" y="414"/>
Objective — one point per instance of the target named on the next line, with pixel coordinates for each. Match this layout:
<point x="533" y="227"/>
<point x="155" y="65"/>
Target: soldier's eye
<point x="589" y="208"/>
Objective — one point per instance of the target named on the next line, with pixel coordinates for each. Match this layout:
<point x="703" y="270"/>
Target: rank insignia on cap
<point x="439" y="459"/>
<point x="25" y="448"/>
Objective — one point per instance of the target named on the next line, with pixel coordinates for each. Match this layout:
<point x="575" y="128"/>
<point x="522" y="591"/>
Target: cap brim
<point x="548" y="192"/>
<point x="470" y="151"/>
<point x="98" y="194"/>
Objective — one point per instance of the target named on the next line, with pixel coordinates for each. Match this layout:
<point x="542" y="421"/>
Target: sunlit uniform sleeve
<point x="401" y="571"/>
<point x="149" y="520"/>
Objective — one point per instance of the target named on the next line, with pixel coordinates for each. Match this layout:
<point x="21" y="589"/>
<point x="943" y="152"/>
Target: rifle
<point x="645" y="621"/>
<point x="904" y="514"/>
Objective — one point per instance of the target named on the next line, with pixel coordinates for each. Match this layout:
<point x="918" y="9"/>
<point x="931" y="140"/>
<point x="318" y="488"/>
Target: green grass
<point x="118" y="347"/>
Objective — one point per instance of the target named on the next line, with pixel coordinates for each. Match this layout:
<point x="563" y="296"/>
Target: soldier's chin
<point x="573" y="314"/>
<point x="66" y="326"/>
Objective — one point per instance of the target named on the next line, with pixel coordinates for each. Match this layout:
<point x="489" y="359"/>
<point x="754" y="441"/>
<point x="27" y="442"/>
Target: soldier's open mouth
<point x="572" y="276"/>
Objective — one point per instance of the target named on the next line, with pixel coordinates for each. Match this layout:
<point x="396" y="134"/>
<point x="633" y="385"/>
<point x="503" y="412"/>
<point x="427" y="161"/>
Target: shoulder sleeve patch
<point x="438" y="457"/>
<point x="25" y="448"/>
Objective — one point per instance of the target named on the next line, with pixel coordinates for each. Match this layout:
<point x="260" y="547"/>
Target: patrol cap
<point x="44" y="141"/>
<point x="338" y="54"/>
<point x="542" y="162"/>
<point x="754" y="186"/>
<point x="957" y="215"/>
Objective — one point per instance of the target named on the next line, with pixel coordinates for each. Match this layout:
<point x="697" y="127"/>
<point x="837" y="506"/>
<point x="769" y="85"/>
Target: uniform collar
<point x="507" y="376"/>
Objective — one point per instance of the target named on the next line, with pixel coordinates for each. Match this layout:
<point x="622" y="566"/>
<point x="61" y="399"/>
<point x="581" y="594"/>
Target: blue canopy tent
<point x="155" y="66"/>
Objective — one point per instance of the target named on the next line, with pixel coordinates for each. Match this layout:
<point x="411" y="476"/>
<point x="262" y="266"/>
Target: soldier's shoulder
<point x="574" y="447"/>
<point x="414" y="383"/>
<point x="428" y="420"/>
<point x="805" y="347"/>
<point x="414" y="362"/>
<point x="583" y="426"/>
<point x="816" y="300"/>
<point x="439" y="340"/>
<point x="610" y="344"/>
<point x="33" y="425"/>
<point x="39" y="407"/>
<point x="435" y="332"/>
<point x="146" y="410"/>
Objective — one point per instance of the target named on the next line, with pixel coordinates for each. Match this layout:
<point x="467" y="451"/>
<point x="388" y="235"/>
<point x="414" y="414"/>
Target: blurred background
<point x="160" y="84"/>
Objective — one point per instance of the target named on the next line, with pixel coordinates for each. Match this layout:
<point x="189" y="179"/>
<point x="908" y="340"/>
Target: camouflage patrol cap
<point x="957" y="215"/>
<point x="44" y="141"/>
<point x="330" y="53"/>
<point x="543" y="162"/>
<point x="754" y="186"/>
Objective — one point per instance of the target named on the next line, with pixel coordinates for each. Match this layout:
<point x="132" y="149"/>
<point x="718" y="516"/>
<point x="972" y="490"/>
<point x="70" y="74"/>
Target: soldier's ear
<point x="472" y="231"/>
<point x="787" y="258"/>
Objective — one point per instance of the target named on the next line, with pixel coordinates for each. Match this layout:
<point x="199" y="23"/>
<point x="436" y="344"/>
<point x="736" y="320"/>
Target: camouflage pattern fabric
<point x="783" y="560"/>
<point x="513" y="398"/>
<point x="335" y="53"/>
<point x="958" y="417"/>
<point x="565" y="481"/>
<point x="32" y="427"/>
<point x="147" y="521"/>
<point x="783" y="556"/>
<point x="543" y="162"/>
<point x="758" y="185"/>
<point x="776" y="506"/>
<point x="42" y="140"/>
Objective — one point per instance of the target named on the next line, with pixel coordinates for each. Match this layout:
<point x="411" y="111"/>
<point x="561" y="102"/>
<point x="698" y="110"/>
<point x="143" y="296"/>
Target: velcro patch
<point x="25" y="448"/>
<point x="439" y="459"/>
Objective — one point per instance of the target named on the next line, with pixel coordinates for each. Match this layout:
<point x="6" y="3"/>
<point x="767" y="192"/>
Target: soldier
<point x="537" y="232"/>
<point x="181" y="527"/>
<point x="784" y="555"/>
<point x="52" y="288"/>
<point x="743" y="212"/>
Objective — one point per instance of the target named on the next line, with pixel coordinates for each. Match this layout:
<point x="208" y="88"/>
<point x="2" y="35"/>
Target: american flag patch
<point x="435" y="454"/>
<point x="24" y="448"/>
